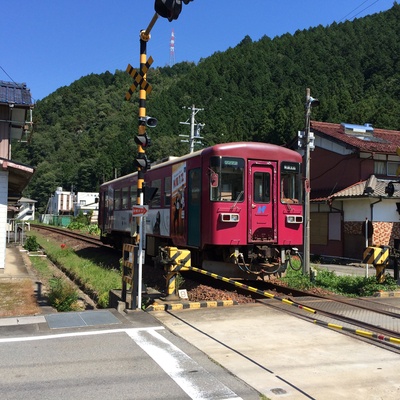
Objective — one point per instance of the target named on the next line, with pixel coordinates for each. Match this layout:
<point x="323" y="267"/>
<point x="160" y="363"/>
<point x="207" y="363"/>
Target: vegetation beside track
<point x="351" y="286"/>
<point x="95" y="280"/>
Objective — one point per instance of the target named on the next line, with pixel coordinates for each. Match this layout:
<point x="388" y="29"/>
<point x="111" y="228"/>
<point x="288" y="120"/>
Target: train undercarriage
<point x="251" y="262"/>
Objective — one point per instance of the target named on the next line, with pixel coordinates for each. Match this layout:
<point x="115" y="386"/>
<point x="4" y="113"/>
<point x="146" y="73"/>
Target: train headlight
<point x="294" y="219"/>
<point x="230" y="217"/>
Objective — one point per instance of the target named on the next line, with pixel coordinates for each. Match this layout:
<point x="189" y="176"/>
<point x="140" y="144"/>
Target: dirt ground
<point x="17" y="298"/>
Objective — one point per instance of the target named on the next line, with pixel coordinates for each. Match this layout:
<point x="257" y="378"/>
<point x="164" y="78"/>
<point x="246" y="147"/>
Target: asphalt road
<point x="124" y="360"/>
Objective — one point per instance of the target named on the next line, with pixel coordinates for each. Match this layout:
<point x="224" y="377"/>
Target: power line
<point x="8" y="75"/>
<point x="15" y="83"/>
<point x="366" y="1"/>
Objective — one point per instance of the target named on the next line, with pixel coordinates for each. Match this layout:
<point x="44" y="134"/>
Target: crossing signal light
<point x="169" y="8"/>
<point x="143" y="140"/>
<point x="142" y="162"/>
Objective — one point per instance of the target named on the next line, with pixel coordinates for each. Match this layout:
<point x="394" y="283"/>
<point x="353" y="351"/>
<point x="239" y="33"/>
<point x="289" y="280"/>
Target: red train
<point x="236" y="206"/>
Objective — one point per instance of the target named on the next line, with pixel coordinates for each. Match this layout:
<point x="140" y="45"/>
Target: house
<point x="87" y="202"/>
<point x="15" y="124"/>
<point x="62" y="205"/>
<point x="355" y="189"/>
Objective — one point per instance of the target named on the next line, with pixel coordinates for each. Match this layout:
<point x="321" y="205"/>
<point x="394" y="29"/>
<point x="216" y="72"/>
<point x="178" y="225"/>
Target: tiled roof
<point x="380" y="141"/>
<point x="372" y="187"/>
<point x="16" y="93"/>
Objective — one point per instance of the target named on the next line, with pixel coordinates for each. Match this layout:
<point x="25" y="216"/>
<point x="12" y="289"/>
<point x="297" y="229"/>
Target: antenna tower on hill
<point x="172" y="49"/>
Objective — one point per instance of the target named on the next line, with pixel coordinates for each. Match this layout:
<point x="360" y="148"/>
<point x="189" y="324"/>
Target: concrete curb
<point x="387" y="294"/>
<point x="191" y="305"/>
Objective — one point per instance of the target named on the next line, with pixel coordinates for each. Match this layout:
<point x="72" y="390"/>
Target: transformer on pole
<point x="195" y="128"/>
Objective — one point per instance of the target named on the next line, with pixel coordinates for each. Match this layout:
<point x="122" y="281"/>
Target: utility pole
<point x="194" y="128"/>
<point x="309" y="137"/>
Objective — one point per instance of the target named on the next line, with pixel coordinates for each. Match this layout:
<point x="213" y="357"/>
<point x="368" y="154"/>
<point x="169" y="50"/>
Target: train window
<point x="133" y="195"/>
<point x="226" y="179"/>
<point x="291" y="190"/>
<point x="117" y="199"/>
<point x="262" y="188"/>
<point x="156" y="201"/>
<point x="167" y="191"/>
<point x="125" y="198"/>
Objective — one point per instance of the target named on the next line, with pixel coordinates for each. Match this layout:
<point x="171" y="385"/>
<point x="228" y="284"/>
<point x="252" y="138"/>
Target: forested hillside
<point x="84" y="133"/>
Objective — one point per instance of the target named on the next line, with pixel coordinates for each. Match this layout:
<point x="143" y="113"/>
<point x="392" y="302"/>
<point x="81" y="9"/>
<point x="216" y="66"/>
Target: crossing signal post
<point x="141" y="162"/>
<point x="168" y="9"/>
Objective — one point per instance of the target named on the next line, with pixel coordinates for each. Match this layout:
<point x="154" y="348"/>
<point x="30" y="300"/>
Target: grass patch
<point x="351" y="286"/>
<point x="96" y="280"/>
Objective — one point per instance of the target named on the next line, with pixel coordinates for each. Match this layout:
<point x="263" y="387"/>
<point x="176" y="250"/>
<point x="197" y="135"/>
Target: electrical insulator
<point x="300" y="139"/>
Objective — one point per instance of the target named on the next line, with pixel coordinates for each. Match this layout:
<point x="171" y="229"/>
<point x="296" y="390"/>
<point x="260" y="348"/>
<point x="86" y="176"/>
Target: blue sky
<point x="51" y="43"/>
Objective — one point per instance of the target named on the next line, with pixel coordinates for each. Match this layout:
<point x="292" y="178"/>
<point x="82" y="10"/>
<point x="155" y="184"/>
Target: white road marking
<point x="189" y="375"/>
<point x="72" y="334"/>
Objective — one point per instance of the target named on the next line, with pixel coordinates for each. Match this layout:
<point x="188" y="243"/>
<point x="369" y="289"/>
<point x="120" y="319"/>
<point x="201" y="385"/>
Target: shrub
<point x="62" y="296"/>
<point x="31" y="244"/>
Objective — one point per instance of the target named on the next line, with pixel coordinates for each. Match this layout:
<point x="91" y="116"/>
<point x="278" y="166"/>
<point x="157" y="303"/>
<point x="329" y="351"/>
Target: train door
<point x="193" y="207"/>
<point x="262" y="197"/>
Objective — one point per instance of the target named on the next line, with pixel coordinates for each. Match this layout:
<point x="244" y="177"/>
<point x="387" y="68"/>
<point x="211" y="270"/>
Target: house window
<point x="392" y="168"/>
<point x="386" y="168"/>
<point x="319" y="229"/>
<point x="379" y="168"/>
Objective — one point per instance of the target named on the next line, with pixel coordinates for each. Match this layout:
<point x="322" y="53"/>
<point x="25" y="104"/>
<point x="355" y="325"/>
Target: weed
<point x="296" y="279"/>
<point x="345" y="285"/>
<point x="179" y="281"/>
<point x="62" y="296"/>
<point x="96" y="279"/>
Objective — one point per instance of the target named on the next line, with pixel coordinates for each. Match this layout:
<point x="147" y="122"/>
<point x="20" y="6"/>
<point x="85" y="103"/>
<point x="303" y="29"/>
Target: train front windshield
<point x="227" y="179"/>
<point x="291" y="189"/>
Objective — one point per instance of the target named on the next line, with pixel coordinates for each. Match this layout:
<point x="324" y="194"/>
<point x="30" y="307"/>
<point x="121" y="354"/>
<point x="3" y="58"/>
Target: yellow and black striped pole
<point x="142" y="141"/>
<point x="142" y="124"/>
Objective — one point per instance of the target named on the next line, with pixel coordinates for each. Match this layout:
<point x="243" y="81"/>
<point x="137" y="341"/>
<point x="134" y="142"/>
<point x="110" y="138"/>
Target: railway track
<point x="72" y="234"/>
<point x="368" y="319"/>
